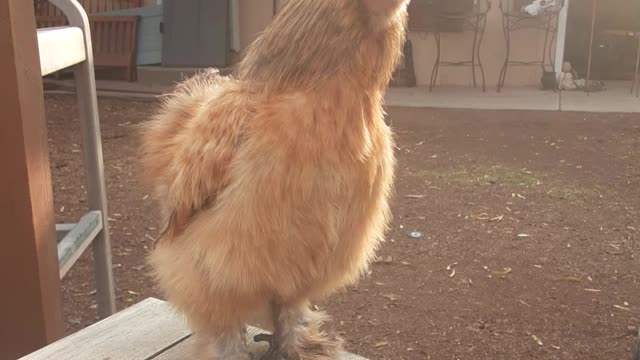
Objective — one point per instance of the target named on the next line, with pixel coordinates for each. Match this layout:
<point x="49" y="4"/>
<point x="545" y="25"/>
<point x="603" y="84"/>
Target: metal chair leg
<point x="436" y="65"/>
<point x="482" y="30"/>
<point x="473" y="52"/>
<point x="93" y="159"/>
<point x="507" y="38"/>
<point x="636" y="78"/>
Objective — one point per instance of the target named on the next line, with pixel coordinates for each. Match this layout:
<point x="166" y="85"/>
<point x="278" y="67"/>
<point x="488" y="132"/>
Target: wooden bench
<point x="114" y="42"/>
<point x="114" y="38"/>
<point x="145" y="331"/>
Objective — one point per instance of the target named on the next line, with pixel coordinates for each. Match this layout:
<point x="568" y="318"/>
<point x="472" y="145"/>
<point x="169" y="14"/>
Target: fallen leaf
<point x="483" y="216"/>
<point x="381" y="344"/>
<point x="150" y="237"/>
<point x="621" y="308"/>
<point x="593" y="290"/>
<point x="415" y="196"/>
<point x="537" y="340"/>
<point x="524" y="235"/>
<point x="387" y="260"/>
<point x="614" y="252"/>
<point x="506" y="271"/>
<point x="391" y="297"/>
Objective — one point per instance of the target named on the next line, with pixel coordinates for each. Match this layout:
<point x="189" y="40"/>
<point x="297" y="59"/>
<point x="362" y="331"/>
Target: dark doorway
<point x="614" y="55"/>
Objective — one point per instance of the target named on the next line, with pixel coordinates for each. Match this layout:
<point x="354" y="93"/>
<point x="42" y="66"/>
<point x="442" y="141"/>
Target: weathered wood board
<point x="182" y="350"/>
<point x="150" y="330"/>
<point x="137" y="333"/>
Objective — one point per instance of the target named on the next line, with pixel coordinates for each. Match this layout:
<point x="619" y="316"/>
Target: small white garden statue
<point x="569" y="80"/>
<point x="568" y="77"/>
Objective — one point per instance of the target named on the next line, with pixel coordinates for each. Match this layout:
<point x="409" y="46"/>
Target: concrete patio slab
<point x="616" y="98"/>
<point x="470" y="98"/>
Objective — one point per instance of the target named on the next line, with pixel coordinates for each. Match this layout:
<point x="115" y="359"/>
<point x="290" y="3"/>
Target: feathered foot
<point x="230" y="345"/>
<point x="300" y="337"/>
<point x="273" y="353"/>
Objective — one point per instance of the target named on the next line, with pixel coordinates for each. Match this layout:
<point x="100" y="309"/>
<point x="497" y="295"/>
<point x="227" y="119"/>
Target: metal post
<point x="636" y="79"/>
<point x="93" y="159"/>
<point x="561" y="38"/>
<point x="593" y="29"/>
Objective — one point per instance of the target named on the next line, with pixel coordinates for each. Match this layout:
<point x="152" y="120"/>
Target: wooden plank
<point x="60" y="48"/>
<point x="183" y="349"/>
<point x="30" y="305"/>
<point x="78" y="240"/>
<point x="148" y="330"/>
<point x="137" y="333"/>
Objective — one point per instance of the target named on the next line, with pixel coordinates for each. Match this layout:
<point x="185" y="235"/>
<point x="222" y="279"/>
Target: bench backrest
<point x="114" y="39"/>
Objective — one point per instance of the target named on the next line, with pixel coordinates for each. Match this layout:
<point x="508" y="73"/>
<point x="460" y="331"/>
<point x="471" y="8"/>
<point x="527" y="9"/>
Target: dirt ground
<point x="530" y="225"/>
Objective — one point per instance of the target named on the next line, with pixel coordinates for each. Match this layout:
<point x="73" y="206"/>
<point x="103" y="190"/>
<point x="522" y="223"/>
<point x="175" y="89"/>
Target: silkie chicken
<point x="275" y="181"/>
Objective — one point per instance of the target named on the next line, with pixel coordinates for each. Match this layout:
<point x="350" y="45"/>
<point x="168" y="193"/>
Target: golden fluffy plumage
<point x="275" y="181"/>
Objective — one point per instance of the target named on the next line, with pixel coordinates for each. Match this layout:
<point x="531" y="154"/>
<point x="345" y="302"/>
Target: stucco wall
<point x="526" y="45"/>
<point x="254" y="17"/>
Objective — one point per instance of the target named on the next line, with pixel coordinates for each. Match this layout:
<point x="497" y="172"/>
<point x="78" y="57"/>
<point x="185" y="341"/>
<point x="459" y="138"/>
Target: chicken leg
<point x="298" y="335"/>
